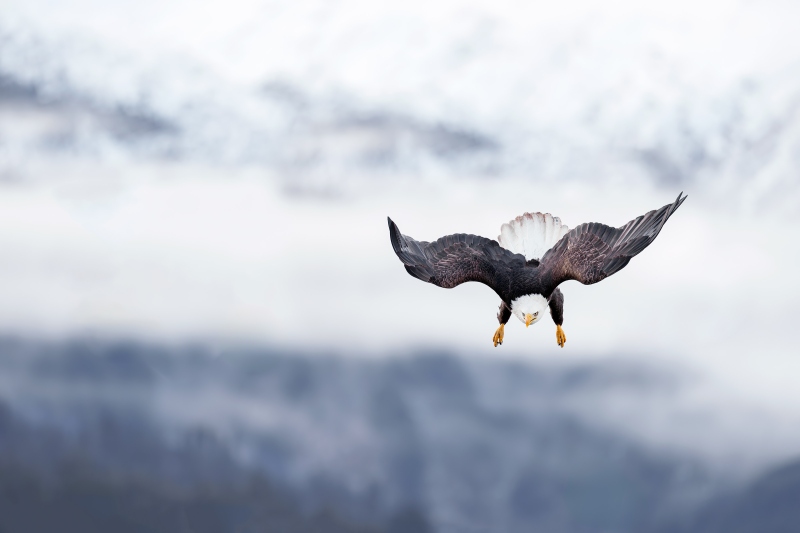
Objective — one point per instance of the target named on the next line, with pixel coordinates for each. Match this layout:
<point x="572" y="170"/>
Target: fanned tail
<point x="532" y="234"/>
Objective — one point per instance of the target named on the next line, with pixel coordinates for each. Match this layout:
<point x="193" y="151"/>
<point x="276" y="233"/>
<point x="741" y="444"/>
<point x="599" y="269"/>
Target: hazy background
<point x="193" y="202"/>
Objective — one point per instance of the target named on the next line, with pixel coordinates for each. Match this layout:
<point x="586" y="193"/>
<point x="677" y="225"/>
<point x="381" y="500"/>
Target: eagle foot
<point x="498" y="335"/>
<point x="560" y="337"/>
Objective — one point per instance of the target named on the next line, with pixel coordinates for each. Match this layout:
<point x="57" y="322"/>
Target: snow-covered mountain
<point x="463" y="444"/>
<point x="685" y="95"/>
<point x="467" y="443"/>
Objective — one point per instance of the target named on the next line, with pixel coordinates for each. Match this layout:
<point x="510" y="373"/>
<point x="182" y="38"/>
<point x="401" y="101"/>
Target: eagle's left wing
<point x="592" y="252"/>
<point x="456" y="259"/>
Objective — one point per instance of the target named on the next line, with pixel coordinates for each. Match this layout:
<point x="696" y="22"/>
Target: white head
<point x="529" y="308"/>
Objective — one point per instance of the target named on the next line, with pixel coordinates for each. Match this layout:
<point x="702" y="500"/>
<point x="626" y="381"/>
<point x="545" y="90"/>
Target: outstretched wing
<point x="456" y="259"/>
<point x="592" y="252"/>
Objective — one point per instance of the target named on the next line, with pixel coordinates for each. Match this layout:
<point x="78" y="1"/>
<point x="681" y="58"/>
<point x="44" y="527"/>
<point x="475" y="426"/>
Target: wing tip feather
<point x="395" y="236"/>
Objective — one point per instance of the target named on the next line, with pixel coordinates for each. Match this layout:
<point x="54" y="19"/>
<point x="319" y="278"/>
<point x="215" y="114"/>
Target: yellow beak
<point x="528" y="320"/>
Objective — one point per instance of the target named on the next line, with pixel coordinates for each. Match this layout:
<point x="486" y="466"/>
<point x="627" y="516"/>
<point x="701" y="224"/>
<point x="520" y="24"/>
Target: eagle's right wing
<point x="456" y="259"/>
<point x="592" y="252"/>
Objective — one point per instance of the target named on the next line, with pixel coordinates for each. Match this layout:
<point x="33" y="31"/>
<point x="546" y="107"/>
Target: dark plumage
<point x="455" y="259"/>
<point x="589" y="253"/>
<point x="592" y="252"/>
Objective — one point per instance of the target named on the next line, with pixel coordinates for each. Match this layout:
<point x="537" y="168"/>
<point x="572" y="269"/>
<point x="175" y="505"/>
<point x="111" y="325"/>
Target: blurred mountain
<point x="461" y="445"/>
<point x="653" y="113"/>
<point x="78" y="497"/>
<point x="49" y="111"/>
<point x="768" y="504"/>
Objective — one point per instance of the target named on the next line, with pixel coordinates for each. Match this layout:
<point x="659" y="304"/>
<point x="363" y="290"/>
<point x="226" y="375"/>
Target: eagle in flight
<point x="533" y="255"/>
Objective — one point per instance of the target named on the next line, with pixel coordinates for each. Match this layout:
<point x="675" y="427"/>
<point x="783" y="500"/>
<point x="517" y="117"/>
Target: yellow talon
<point x="560" y="337"/>
<point x="498" y="335"/>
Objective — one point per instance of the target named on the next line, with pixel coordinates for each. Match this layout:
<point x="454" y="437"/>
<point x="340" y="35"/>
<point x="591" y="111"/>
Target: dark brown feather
<point x="456" y="259"/>
<point x="592" y="252"/>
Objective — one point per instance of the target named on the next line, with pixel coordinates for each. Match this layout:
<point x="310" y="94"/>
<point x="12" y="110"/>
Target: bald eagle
<point x="534" y="255"/>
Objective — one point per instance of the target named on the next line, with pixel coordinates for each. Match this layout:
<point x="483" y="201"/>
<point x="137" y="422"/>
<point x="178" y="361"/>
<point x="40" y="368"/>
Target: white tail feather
<point x="532" y="234"/>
